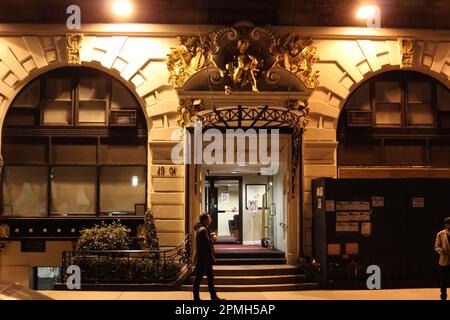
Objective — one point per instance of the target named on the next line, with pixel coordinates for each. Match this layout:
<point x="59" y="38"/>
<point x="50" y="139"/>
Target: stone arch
<point x="39" y="72"/>
<point x="133" y="61"/>
<point x="426" y="72"/>
<point x="343" y="66"/>
<point x="139" y="64"/>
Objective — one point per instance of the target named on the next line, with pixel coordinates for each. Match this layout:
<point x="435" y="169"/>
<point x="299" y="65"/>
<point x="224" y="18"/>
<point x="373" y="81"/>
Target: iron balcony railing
<point x="130" y="266"/>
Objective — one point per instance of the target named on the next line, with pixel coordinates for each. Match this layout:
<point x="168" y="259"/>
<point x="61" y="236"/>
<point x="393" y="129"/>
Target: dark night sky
<point x="395" y="13"/>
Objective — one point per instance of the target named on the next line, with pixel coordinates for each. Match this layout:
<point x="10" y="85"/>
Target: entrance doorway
<point x="247" y="208"/>
<point x="251" y="208"/>
<point x="223" y="199"/>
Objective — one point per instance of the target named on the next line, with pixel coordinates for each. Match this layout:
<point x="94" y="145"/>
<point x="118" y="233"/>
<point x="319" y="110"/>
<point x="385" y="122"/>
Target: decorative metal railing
<point x="130" y="266"/>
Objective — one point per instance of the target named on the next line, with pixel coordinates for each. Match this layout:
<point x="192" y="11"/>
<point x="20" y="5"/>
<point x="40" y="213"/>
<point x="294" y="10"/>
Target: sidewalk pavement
<point x="397" y="294"/>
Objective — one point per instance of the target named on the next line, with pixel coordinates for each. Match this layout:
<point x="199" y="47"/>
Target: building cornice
<point x="173" y="30"/>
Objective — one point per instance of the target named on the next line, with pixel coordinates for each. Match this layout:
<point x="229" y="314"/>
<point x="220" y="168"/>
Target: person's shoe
<point x="443" y="297"/>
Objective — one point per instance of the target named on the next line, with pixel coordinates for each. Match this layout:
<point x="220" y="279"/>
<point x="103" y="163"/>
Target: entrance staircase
<point x="252" y="268"/>
<point x="243" y="278"/>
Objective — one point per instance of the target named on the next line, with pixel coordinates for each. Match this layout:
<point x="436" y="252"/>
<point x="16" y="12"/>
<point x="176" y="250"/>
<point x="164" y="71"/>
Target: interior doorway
<point x="223" y="199"/>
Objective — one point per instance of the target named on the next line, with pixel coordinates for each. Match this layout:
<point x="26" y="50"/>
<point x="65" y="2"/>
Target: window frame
<point x="99" y="135"/>
<point x="425" y="135"/>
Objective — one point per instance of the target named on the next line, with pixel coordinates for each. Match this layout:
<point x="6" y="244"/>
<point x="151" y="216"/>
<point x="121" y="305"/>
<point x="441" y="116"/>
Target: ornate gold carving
<point x="406" y="47"/>
<point x="185" y="112"/>
<point x="303" y="110"/>
<point x="244" y="67"/>
<point x="192" y="54"/>
<point x="242" y="57"/>
<point x="297" y="55"/>
<point x="4" y="231"/>
<point x="74" y="41"/>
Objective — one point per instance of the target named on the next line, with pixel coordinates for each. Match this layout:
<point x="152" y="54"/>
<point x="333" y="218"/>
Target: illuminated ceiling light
<point x="122" y="7"/>
<point x="366" y="12"/>
<point x="134" y="181"/>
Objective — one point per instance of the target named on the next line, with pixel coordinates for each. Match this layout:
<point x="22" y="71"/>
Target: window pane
<point x="92" y="112"/>
<point x="361" y="98"/>
<point x="443" y="98"/>
<point x="121" y="188"/>
<point x="360" y="152"/>
<point x="419" y="92"/>
<point x="25" y="191"/>
<point x="122" y="152"/>
<point x="420" y="114"/>
<point x="121" y="97"/>
<point x="74" y="151"/>
<point x="405" y="152"/>
<point x="58" y="112"/>
<point x="58" y="89"/>
<point x="440" y="152"/>
<point x="92" y="105"/>
<point x="28" y="98"/>
<point x="387" y="91"/>
<point x="388" y="114"/>
<point x="93" y="88"/>
<point x="24" y="150"/>
<point x="58" y="107"/>
<point x="20" y="117"/>
<point x="73" y="190"/>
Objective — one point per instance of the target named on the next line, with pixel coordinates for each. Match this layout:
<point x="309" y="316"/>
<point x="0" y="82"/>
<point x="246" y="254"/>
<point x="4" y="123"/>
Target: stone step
<point x="252" y="280"/>
<point x="236" y="255"/>
<point x="258" y="288"/>
<point x="256" y="270"/>
<point x="243" y="261"/>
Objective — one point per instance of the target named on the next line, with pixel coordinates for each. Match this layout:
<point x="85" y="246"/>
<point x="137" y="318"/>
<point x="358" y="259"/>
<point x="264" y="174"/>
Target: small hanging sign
<point x="225" y="197"/>
<point x="377" y="201"/>
<point x="418" y="202"/>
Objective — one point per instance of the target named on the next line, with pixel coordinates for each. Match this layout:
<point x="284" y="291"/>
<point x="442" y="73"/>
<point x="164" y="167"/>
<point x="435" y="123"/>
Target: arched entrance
<point x="246" y="78"/>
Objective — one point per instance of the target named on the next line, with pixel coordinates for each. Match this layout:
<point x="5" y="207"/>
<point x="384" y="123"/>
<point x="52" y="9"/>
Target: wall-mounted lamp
<point x="370" y="13"/>
<point x="122" y="7"/>
<point x="134" y="181"/>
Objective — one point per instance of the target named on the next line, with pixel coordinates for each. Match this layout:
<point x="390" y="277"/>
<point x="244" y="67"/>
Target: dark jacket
<point x="204" y="245"/>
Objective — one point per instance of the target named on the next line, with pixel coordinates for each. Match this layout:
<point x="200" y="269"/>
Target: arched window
<point x="74" y="143"/>
<point x="396" y="119"/>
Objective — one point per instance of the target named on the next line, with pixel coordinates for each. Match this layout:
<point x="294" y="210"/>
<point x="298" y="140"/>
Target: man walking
<point x="204" y="256"/>
<point x="442" y="247"/>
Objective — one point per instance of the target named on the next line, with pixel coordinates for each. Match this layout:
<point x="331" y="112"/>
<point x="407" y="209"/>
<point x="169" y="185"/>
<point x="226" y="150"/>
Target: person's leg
<point x="210" y="276"/>
<point x="199" y="272"/>
<point x="444" y="275"/>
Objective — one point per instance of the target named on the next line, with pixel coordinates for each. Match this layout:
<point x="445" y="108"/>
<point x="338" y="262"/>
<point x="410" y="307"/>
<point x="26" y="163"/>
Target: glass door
<point x="223" y="198"/>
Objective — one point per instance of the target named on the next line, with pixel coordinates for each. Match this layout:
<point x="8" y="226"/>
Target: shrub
<point x="112" y="236"/>
<point x="170" y="269"/>
<point x="151" y="240"/>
